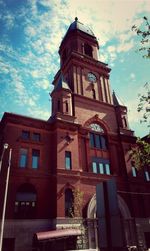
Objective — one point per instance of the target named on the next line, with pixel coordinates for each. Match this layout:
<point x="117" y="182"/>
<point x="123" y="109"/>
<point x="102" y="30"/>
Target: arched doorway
<point x="68" y="202"/>
<point x="92" y="223"/>
<point x="92" y="226"/>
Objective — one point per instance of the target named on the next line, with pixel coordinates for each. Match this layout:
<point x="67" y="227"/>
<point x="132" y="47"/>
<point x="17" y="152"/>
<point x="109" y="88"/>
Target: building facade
<point x="85" y="142"/>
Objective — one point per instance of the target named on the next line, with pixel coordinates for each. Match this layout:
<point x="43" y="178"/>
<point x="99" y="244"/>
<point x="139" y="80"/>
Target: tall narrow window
<point x="147" y="176"/>
<point x="35" y="158"/>
<point x="134" y="171"/>
<point x="68" y="164"/>
<point x="107" y="168"/>
<point x="103" y="142"/>
<point x="88" y="50"/>
<point x="68" y="203"/>
<point x="97" y="141"/>
<point x="92" y="144"/>
<point x="101" y="168"/>
<point x="93" y="94"/>
<point x="23" y="158"/>
<point x="94" y="167"/>
<point x="66" y="106"/>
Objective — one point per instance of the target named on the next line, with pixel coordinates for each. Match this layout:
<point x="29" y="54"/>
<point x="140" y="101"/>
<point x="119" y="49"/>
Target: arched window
<point x="68" y="203"/>
<point x="66" y="106"/>
<point x="124" y="121"/>
<point x="25" y="204"/>
<point x="88" y="50"/>
<point x="97" y="137"/>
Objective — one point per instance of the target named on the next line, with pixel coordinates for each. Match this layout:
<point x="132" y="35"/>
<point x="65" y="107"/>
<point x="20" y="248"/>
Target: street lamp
<point x="5" y="194"/>
<point x="5" y="146"/>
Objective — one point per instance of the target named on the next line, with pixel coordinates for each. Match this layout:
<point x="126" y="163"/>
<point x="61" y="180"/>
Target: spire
<point x="62" y="84"/>
<point x="116" y="100"/>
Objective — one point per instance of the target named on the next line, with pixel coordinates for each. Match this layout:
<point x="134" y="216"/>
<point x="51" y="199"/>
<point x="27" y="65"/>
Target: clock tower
<point x="87" y="77"/>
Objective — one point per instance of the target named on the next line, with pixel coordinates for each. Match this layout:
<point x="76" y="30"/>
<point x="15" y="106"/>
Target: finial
<point x="76" y="19"/>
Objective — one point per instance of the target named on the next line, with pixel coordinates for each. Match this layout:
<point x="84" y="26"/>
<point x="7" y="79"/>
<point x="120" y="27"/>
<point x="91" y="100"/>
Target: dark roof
<point x="116" y="100"/>
<point x="76" y="25"/>
<point x="62" y="84"/>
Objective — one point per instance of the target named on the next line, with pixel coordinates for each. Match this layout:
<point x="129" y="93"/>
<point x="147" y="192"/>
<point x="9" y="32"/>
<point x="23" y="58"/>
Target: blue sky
<point x="30" y="35"/>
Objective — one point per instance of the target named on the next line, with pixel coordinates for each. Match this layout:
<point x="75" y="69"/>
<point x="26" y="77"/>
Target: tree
<point x="144" y="33"/>
<point x="77" y="202"/>
<point x="144" y="105"/>
<point x="140" y="153"/>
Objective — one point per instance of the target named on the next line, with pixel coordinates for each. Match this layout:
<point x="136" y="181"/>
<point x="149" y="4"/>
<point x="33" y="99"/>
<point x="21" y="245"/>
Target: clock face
<point x="91" y="77"/>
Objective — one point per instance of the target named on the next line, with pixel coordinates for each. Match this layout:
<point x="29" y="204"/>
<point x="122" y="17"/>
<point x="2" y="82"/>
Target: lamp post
<point x="5" y="146"/>
<point x="5" y="198"/>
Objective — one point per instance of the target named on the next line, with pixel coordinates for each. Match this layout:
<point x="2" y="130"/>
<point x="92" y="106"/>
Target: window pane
<point x="134" y="171"/>
<point x="35" y="162"/>
<point x="101" y="168"/>
<point x="25" y="134"/>
<point x="147" y="176"/>
<point x="36" y="136"/>
<point x="88" y="50"/>
<point x="94" y="167"/>
<point x="97" y="141"/>
<point x="107" y="169"/>
<point x="92" y="140"/>
<point x="23" y="157"/>
<point x="68" y="202"/>
<point x="35" y="158"/>
<point x="103" y="142"/>
<point x="68" y="160"/>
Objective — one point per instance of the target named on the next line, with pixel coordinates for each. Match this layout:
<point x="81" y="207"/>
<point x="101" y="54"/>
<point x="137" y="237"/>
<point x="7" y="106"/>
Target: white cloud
<point x="38" y="112"/>
<point x="32" y="68"/>
<point x="124" y="47"/>
<point x="132" y="76"/>
<point x="30" y="31"/>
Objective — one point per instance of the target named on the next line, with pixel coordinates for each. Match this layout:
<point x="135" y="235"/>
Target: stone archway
<point x="91" y="215"/>
<point x="92" y="224"/>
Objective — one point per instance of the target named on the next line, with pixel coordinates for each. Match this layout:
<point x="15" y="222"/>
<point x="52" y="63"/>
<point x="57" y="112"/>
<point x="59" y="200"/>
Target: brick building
<point x="84" y="143"/>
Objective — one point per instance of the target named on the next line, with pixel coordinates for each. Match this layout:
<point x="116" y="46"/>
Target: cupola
<point x="79" y="38"/>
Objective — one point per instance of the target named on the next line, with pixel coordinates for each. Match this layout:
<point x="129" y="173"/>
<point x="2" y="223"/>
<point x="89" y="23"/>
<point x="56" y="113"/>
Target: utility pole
<point x="5" y="200"/>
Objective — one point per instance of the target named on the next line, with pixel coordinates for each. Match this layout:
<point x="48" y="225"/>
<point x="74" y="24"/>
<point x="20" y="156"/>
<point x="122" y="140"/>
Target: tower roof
<point x="116" y="100"/>
<point x="62" y="84"/>
<point x="76" y="25"/>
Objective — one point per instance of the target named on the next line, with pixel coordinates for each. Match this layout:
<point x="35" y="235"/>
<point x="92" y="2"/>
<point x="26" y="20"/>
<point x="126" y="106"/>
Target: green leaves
<point x="144" y="32"/>
<point x="140" y="154"/>
<point x="78" y="202"/>
<point x="144" y="104"/>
